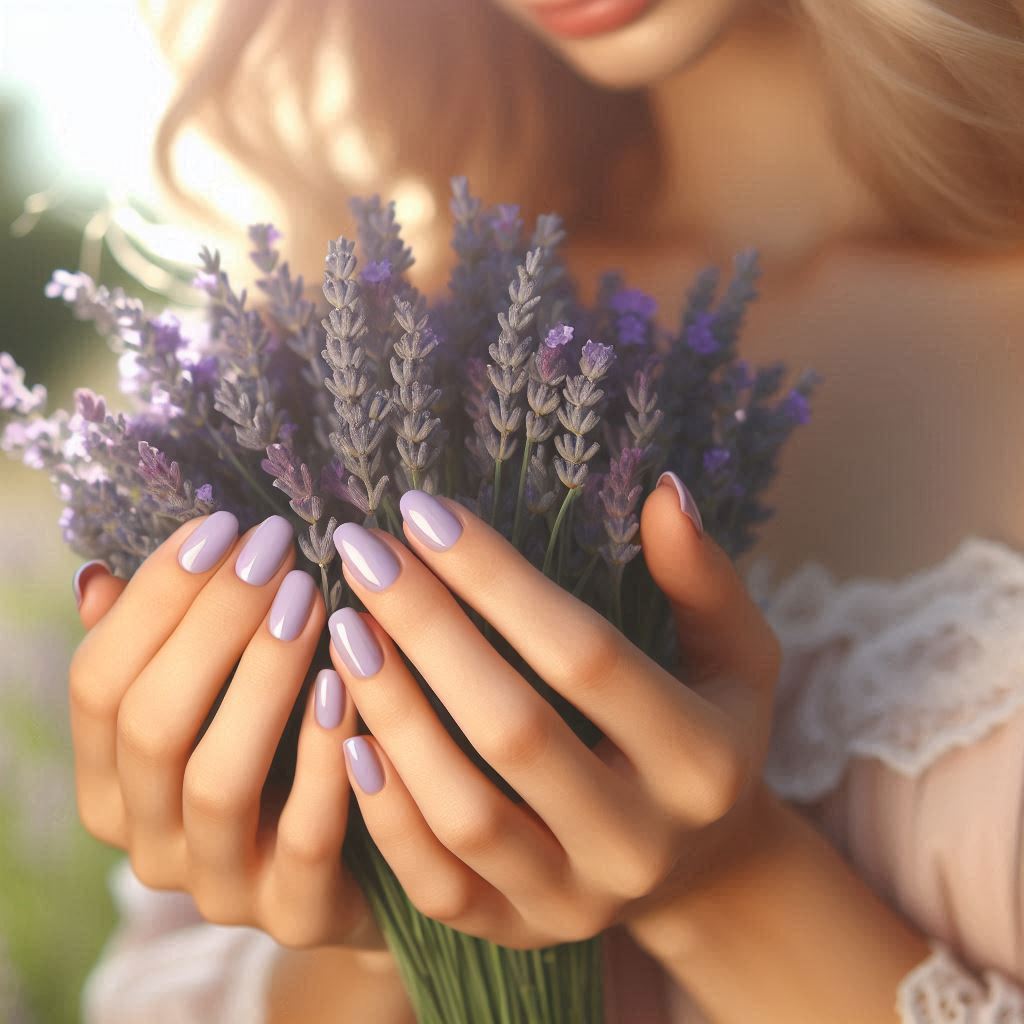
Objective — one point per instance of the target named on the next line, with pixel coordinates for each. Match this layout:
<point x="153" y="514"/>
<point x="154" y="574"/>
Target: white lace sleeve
<point x="899" y="723"/>
<point x="164" y="964"/>
<point x="901" y="671"/>
<point x="940" y="990"/>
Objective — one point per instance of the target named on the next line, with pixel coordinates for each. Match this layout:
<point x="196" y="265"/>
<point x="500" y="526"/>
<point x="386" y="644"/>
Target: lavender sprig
<point x="419" y="436"/>
<point x="362" y="423"/>
<point x="507" y="373"/>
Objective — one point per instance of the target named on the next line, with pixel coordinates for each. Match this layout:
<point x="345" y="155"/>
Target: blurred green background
<point x="74" y="173"/>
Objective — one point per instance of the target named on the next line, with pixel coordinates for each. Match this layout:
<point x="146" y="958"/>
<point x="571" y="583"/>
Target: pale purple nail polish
<point x="686" y="502"/>
<point x="355" y="643"/>
<point x="429" y="520"/>
<point x="264" y="551"/>
<point x="207" y="544"/>
<point x="290" y="610"/>
<point x="369" y="558"/>
<point x="362" y="759"/>
<point x="82" y="574"/>
<point x="329" y="699"/>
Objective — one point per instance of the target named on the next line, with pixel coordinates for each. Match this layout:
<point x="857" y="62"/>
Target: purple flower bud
<point x="700" y="336"/>
<point x="715" y="459"/>
<point x="205" y="493"/>
<point x="376" y="272"/>
<point x="631" y="330"/>
<point x="167" y="337"/>
<point x="206" y="282"/>
<point x="596" y="359"/>
<point x="632" y="300"/>
<point x="558" y="336"/>
<point x="90" y="406"/>
<point x="796" y="407"/>
<point x="550" y="364"/>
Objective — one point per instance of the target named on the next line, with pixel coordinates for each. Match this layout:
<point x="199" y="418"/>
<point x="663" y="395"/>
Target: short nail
<point x="686" y="502"/>
<point x="82" y="575"/>
<point x="369" y="558"/>
<point x="329" y="699"/>
<point x="264" y="551"/>
<point x="290" y="610"/>
<point x="206" y="545"/>
<point x="365" y="767"/>
<point x="355" y="643"/>
<point x="430" y="520"/>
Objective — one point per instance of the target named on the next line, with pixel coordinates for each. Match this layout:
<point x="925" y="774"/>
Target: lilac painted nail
<point x="369" y="558"/>
<point x="362" y="759"/>
<point x="355" y="643"/>
<point x="290" y="610"/>
<point x="206" y="545"/>
<point x="264" y="551"/>
<point x="329" y="699"/>
<point x="429" y="520"/>
<point x="83" y="574"/>
<point x="686" y="502"/>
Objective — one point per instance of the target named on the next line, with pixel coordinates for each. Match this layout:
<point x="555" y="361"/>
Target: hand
<point x="602" y="834"/>
<point x="191" y="817"/>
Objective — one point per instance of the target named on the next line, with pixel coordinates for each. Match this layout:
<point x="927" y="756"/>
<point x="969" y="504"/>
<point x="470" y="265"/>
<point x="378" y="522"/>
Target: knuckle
<point x="593" y="664"/>
<point x="144" y="735"/>
<point x="99" y="822"/>
<point x="297" y="931"/>
<point x="208" y="796"/>
<point x="642" y="870"/>
<point x="475" y="831"/>
<point x="307" y="847"/>
<point x="152" y="870"/>
<point x="217" y="905"/>
<point x="447" y="903"/>
<point x="724" y="780"/>
<point x="521" y="740"/>
<point x="84" y="695"/>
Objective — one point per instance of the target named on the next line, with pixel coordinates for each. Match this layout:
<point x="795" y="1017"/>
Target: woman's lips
<point x="579" y="18"/>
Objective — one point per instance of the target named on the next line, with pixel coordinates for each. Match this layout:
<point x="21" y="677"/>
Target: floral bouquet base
<point x="329" y="414"/>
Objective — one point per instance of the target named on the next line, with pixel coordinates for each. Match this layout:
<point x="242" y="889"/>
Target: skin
<point x="913" y="344"/>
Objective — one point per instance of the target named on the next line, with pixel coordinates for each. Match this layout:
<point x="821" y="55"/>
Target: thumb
<point x="720" y="627"/>
<point x="96" y="589"/>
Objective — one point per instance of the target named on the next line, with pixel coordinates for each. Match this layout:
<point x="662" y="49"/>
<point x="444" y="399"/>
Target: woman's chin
<point x="626" y="44"/>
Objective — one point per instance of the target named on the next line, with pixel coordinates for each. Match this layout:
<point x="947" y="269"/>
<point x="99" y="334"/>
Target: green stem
<point x="393" y="520"/>
<point x="585" y="575"/>
<point x="225" y="450"/>
<point x="517" y="523"/>
<point x="497" y="489"/>
<point x="325" y="589"/>
<point x="550" y="553"/>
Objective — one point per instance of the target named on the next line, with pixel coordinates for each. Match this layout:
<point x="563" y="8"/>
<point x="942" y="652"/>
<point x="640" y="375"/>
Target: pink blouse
<point x="899" y="730"/>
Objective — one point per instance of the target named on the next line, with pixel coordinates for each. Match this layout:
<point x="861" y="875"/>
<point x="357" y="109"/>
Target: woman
<point x="875" y="155"/>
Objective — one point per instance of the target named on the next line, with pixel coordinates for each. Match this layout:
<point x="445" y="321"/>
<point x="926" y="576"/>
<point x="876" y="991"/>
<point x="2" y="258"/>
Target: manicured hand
<point x="207" y="606"/>
<point x="601" y="833"/>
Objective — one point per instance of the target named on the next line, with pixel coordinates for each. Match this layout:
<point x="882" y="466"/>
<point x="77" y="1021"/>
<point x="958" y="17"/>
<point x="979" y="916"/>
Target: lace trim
<point x="902" y="671"/>
<point x="940" y="990"/>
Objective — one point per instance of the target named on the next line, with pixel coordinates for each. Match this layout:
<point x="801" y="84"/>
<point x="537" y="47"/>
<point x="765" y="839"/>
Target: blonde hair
<point x="927" y="98"/>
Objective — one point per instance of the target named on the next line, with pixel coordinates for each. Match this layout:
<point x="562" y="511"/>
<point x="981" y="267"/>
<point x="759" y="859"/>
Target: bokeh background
<point x="81" y="89"/>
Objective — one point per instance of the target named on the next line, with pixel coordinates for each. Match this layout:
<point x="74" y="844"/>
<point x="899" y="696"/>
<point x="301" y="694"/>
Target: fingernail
<point x="290" y="610"/>
<point x="355" y="643"/>
<point x="82" y="575"/>
<point x="369" y="558"/>
<point x="430" y="520"/>
<point x="362" y="759"/>
<point x="206" y="545"/>
<point x="329" y="699"/>
<point x="686" y="502"/>
<point x="264" y="551"/>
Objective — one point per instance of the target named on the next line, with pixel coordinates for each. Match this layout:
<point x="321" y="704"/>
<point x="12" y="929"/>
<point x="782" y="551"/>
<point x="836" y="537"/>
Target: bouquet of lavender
<point x="547" y="418"/>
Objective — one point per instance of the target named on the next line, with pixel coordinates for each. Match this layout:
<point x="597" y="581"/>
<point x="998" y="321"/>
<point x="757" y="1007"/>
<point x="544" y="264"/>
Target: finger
<point x="502" y="842"/>
<point x="226" y="773"/>
<point x="721" y="631"/>
<point x="667" y="731"/>
<point x="307" y="889"/>
<point x="165" y="708"/>
<point x="597" y="815"/>
<point x="438" y="883"/>
<point x="119" y="645"/>
<point x="95" y="590"/>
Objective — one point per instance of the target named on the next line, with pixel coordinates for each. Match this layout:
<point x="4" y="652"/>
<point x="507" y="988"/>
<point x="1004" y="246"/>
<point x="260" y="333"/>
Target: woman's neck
<point x="748" y="155"/>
